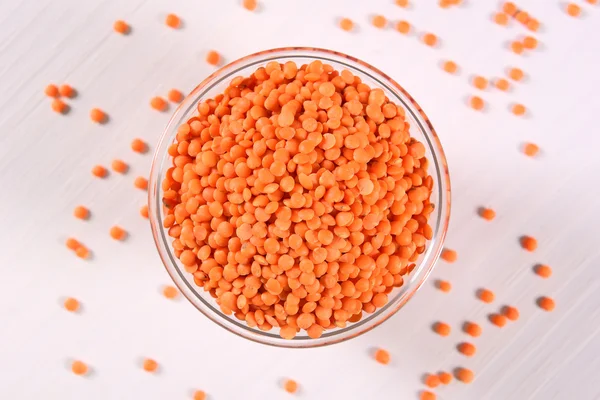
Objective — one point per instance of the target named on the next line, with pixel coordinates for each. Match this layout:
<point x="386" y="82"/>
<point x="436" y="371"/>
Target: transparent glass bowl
<point x="420" y="128"/>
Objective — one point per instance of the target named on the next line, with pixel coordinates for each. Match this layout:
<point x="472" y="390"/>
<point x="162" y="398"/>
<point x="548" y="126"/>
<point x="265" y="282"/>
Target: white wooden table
<point x="45" y="162"/>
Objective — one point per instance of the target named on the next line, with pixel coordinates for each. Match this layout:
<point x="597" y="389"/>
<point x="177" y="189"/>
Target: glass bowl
<point x="420" y="128"/>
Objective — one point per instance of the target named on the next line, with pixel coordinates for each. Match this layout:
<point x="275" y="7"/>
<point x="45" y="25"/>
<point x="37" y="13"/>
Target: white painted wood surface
<point x="45" y="162"/>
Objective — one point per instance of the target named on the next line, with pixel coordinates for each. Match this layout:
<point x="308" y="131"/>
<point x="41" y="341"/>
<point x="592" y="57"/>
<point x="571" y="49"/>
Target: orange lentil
<point x="487" y="213"/>
<point x="592" y="1"/>
<point x="175" y="96"/>
<point x="546" y="303"/>
<point x="139" y="146"/>
<point x="518" y="109"/>
<point x="476" y="103"/>
<point x="543" y="270"/>
<point x="173" y="21"/>
<point x="199" y="395"/>
<point x="117" y="233"/>
<point x="379" y="21"/>
<point x="529" y="42"/>
<point x="99" y="171"/>
<point x="441" y="328"/>
<point x="144" y="211"/>
<point x="403" y="27"/>
<point x="82" y="252"/>
<point x="501" y="18"/>
<point x="468" y="349"/>
<point x="464" y="375"/>
<point x="431" y="381"/>
<point x="141" y="183"/>
<point x="472" y="329"/>
<point x="121" y="27"/>
<point x="449" y="255"/>
<point x="509" y="8"/>
<point x="158" y="103"/>
<point x="346" y="24"/>
<point x="573" y="10"/>
<point x="445" y="377"/>
<point x="516" y="47"/>
<point x="450" y="67"/>
<point x="66" y="91"/>
<point x="81" y="212"/>
<point x="97" y="115"/>
<point x="51" y="90"/>
<point x="290" y="386"/>
<point x="427" y="395"/>
<point x="119" y="166"/>
<point x="149" y="365"/>
<point x="249" y="5"/>
<point x="480" y="82"/>
<point x="531" y="149"/>
<point x="516" y="74"/>
<point x="382" y="356"/>
<point x="502" y="84"/>
<point x="522" y="17"/>
<point x="213" y="58"/>
<point x="430" y="39"/>
<point x="510" y="312"/>
<point x="402" y="3"/>
<point x="79" y="367"/>
<point x="72" y="244"/>
<point x="170" y="292"/>
<point x="309" y="233"/>
<point x="71" y="304"/>
<point x="497" y="319"/>
<point x="529" y="243"/>
<point x="59" y="106"/>
<point x="444" y="286"/>
<point x="485" y="295"/>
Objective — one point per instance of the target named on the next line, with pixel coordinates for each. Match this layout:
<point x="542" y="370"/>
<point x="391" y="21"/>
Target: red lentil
<point x="59" y="106"/>
<point x="139" y="146"/>
<point x="430" y="39"/>
<point x="170" y="292"/>
<point x="468" y="349"/>
<point x="472" y="329"/>
<point x="543" y="270"/>
<point x="509" y="8"/>
<point x="529" y="243"/>
<point x="464" y="375"/>
<point x="546" y="303"/>
<point x="518" y="109"/>
<point x="199" y="395"/>
<point x="476" y="103"/>
<point x="573" y="10"/>
<point x="173" y="21"/>
<point x="431" y="381"/>
<point x="159" y="104"/>
<point x="516" y="47"/>
<point x="144" y="211"/>
<point x="516" y="74"/>
<point x="502" y="84"/>
<point x="175" y="96"/>
<point x="449" y="255"/>
<point x="510" y="312"/>
<point x="290" y="386"/>
<point x="485" y="295"/>
<point x="296" y="208"/>
<point x="531" y="149"/>
<point x="79" y="367"/>
<point x="213" y="58"/>
<point x="141" y="183"/>
<point x="119" y="166"/>
<point x="71" y="304"/>
<point x="346" y="24"/>
<point x="450" y="67"/>
<point x="82" y="252"/>
<point x="427" y="395"/>
<point x="497" y="319"/>
<point x="81" y="212"/>
<point x="529" y="42"/>
<point x="117" y="233"/>
<point x="150" y="365"/>
<point x="249" y="5"/>
<point x="99" y="171"/>
<point x="480" y="82"/>
<point x="121" y="27"/>
<point x="51" y="90"/>
<point x="66" y="91"/>
<point x="444" y="286"/>
<point x="72" y="244"/>
<point x="379" y="21"/>
<point x="382" y="356"/>
<point x="487" y="213"/>
<point x="501" y="18"/>
<point x="441" y="328"/>
<point x="402" y="3"/>
<point x="445" y="377"/>
<point x="97" y="115"/>
<point x="533" y="25"/>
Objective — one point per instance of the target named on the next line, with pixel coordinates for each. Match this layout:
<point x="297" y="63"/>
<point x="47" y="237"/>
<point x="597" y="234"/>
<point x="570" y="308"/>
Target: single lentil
<point x="546" y="303"/>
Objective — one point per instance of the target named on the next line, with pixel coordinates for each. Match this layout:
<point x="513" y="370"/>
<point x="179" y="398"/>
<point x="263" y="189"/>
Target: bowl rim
<point x="424" y="266"/>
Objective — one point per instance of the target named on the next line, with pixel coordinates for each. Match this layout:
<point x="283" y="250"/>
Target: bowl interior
<point x="420" y="128"/>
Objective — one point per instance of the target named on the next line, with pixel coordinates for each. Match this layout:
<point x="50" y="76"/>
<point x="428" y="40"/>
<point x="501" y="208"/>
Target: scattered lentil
<point x="509" y="8"/>
<point x="431" y="381"/>
<point x="444" y="286"/>
<point x="121" y="27"/>
<point x="71" y="304"/>
<point x="441" y="328"/>
<point x="518" y="109"/>
<point x="59" y="106"/>
<point x="450" y="67"/>
<point x="543" y="270"/>
<point x="476" y="103"/>
<point x="250" y="5"/>
<point x="466" y="348"/>
<point x="141" y="183"/>
<point x="516" y="47"/>
<point x="480" y="82"/>
<point x="516" y="74"/>
<point x="472" y="329"/>
<point x="81" y="212"/>
<point x="546" y="303"/>
<point x="346" y="24"/>
<point x="175" y="96"/>
<point x="97" y="115"/>
<point x="199" y="395"/>
<point x="529" y="42"/>
<point x="529" y="243"/>
<point x="497" y="319"/>
<point x="159" y="104"/>
<point x="449" y="255"/>
<point x="531" y="149"/>
<point x="573" y="10"/>
<point x="502" y="84"/>
<point x="117" y="233"/>
<point x="445" y="377"/>
<point x="290" y="386"/>
<point x="427" y="395"/>
<point x="119" y="166"/>
<point x="150" y="365"/>
<point x="170" y="292"/>
<point x="79" y="367"/>
<point x="464" y="375"/>
<point x="99" y="171"/>
<point x="144" y="211"/>
<point x="510" y="312"/>
<point x="379" y="21"/>
<point x="402" y="3"/>
<point x="51" y="90"/>
<point x="66" y="91"/>
<point x="430" y="39"/>
<point x="485" y="295"/>
<point x="173" y="21"/>
<point x="382" y="356"/>
<point x="501" y="18"/>
<point x="487" y="213"/>
<point x="139" y="146"/>
<point x="403" y="27"/>
<point x="213" y="58"/>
